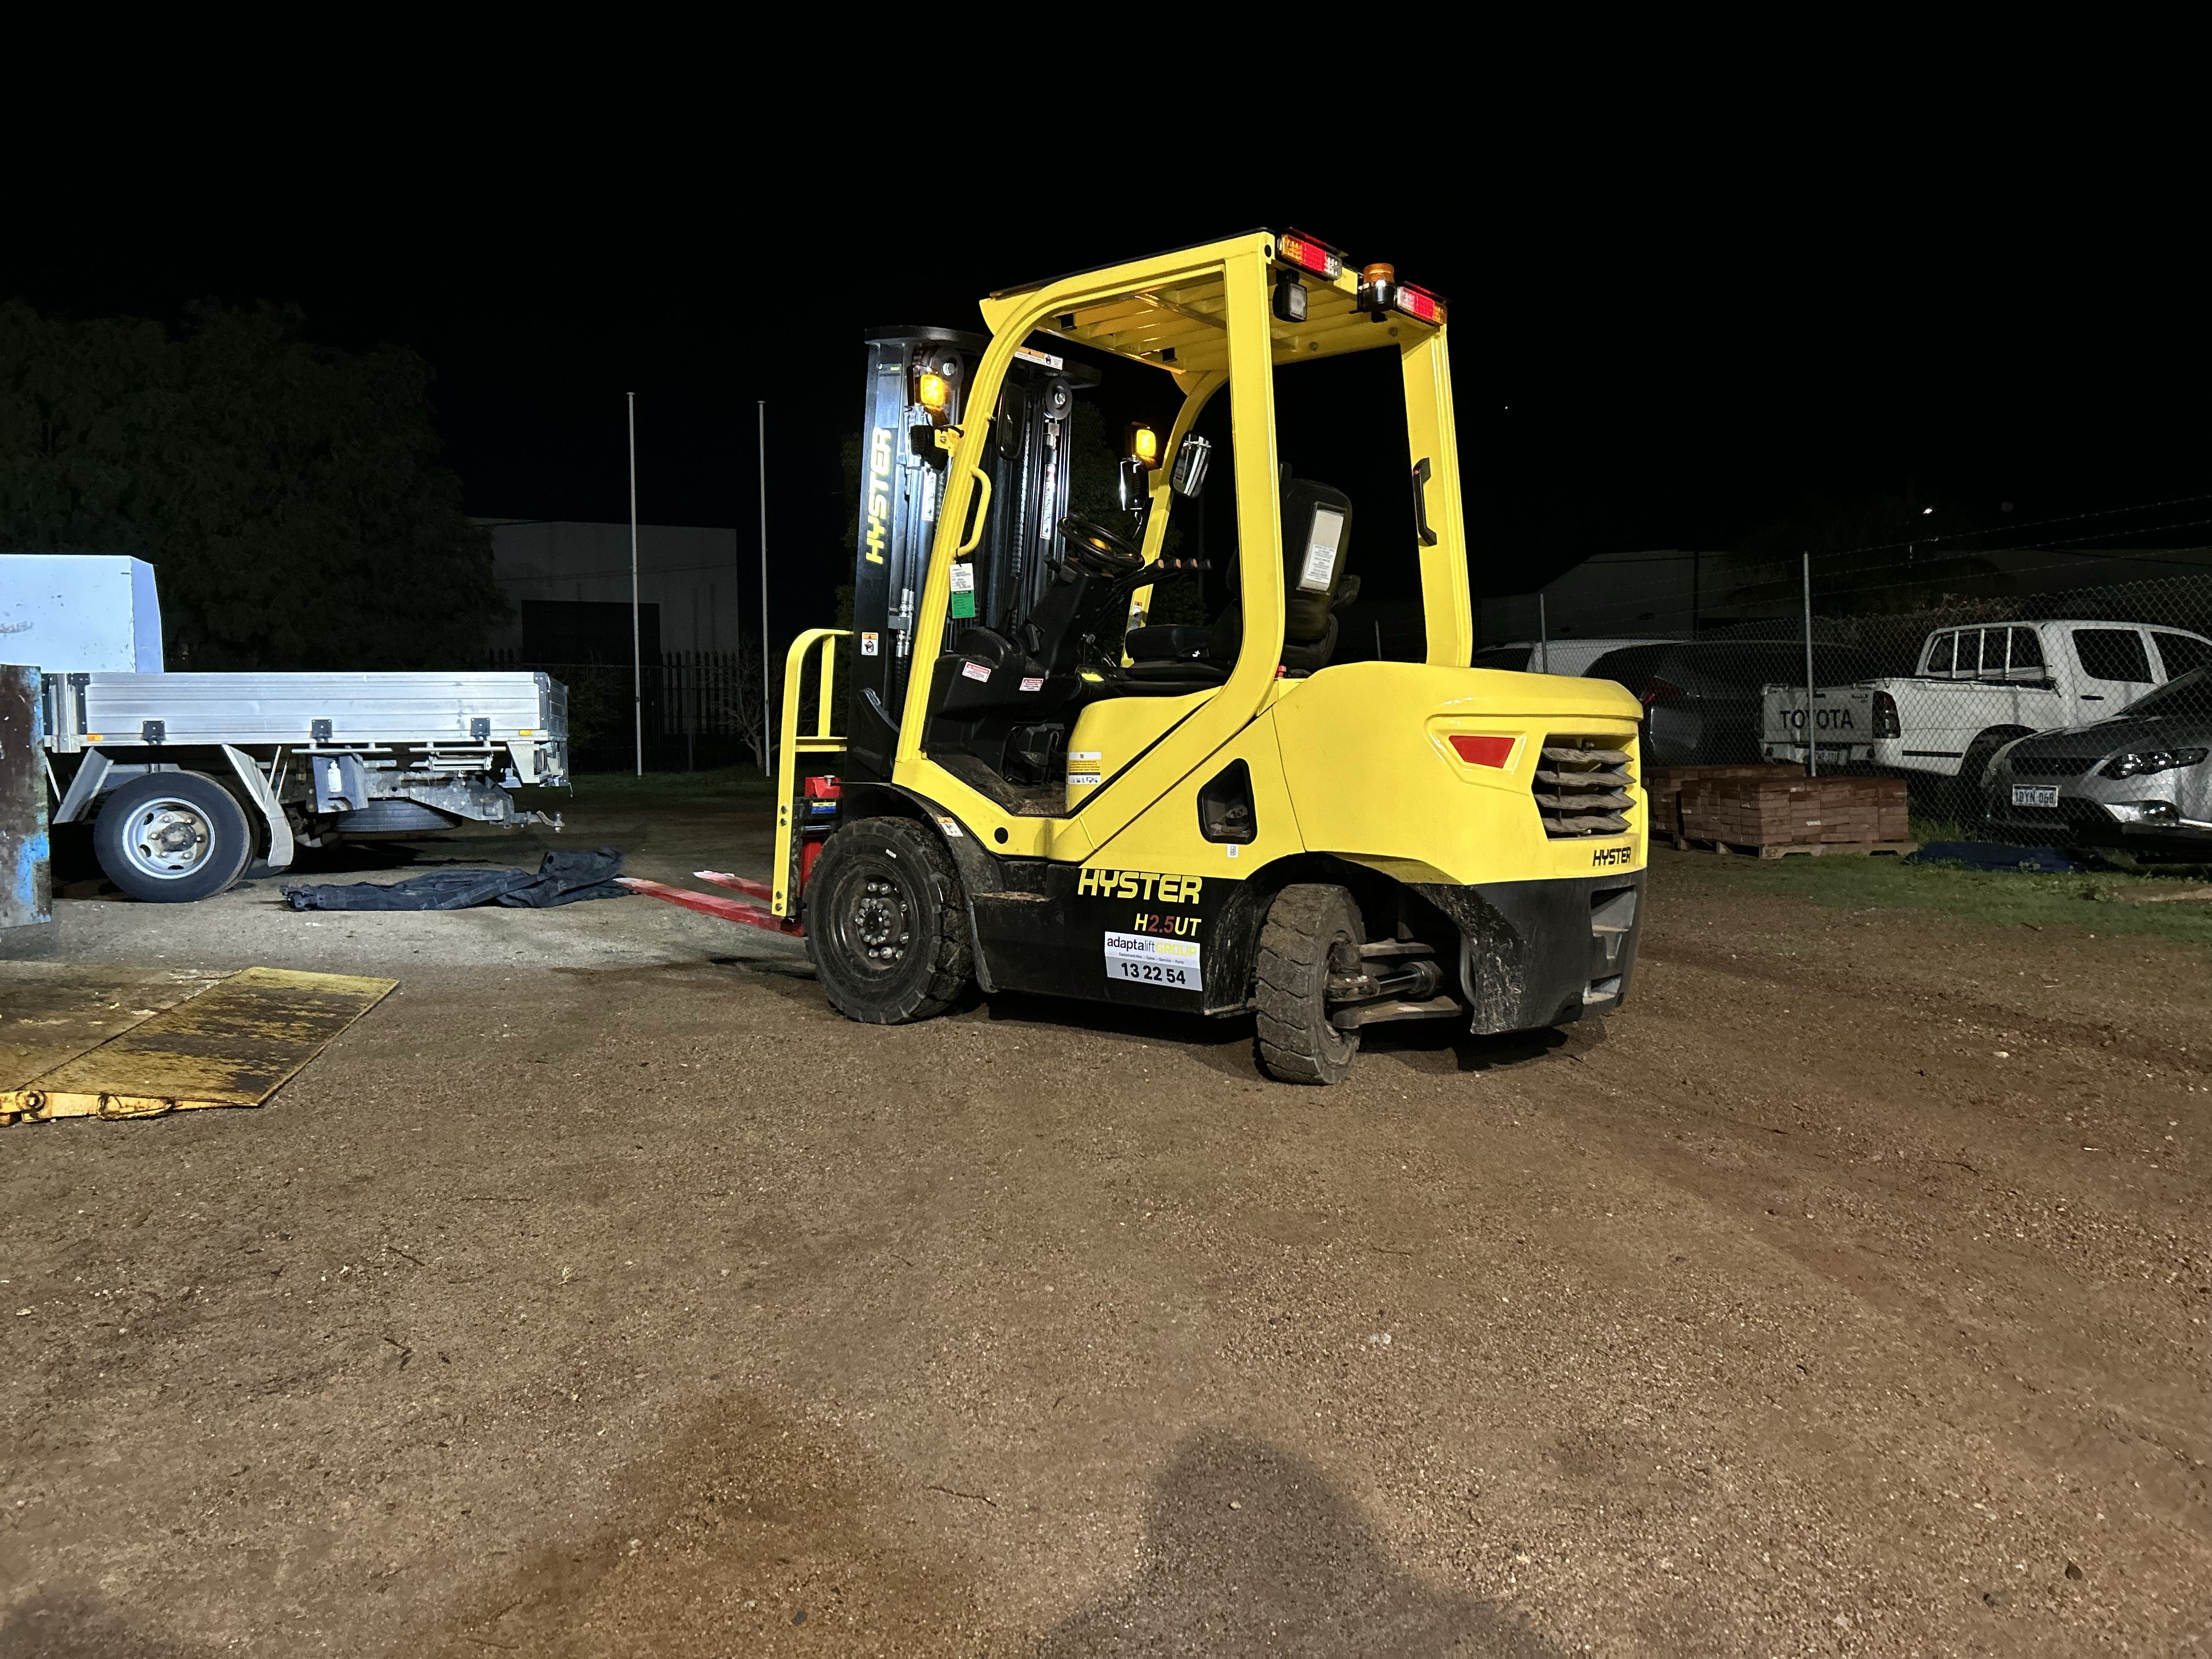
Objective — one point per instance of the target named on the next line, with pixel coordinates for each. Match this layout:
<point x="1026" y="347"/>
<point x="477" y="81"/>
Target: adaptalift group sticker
<point x="1171" y="964"/>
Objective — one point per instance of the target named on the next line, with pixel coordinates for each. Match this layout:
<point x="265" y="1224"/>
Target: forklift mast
<point x="906" y="444"/>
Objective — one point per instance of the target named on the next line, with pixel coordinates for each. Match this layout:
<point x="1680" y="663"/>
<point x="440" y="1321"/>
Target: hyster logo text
<point x="1139" y="884"/>
<point x="1606" y="855"/>
<point x="879" y="492"/>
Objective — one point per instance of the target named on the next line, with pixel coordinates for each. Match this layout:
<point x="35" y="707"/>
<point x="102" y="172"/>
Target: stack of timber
<point x="1767" y="817"/>
<point x="1664" y="786"/>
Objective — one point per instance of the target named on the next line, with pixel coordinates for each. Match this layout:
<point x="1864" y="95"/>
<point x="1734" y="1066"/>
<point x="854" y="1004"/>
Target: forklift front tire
<point x="886" y="926"/>
<point x="1309" y="926"/>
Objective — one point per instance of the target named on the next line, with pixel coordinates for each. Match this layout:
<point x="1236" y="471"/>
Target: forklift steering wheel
<point x="1096" y="550"/>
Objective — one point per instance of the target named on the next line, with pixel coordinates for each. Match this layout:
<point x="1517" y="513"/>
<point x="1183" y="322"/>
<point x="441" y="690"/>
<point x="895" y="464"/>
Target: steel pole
<point x="768" y="708"/>
<point x="636" y="645"/>
<point x="1811" y="747"/>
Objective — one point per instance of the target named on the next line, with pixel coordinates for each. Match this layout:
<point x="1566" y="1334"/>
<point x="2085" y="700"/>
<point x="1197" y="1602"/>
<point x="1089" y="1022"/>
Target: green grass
<point x="2103" y="903"/>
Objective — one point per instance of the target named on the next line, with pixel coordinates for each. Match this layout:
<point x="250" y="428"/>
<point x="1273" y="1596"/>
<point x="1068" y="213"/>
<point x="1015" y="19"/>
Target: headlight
<point x="2150" y="760"/>
<point x="2143" y="811"/>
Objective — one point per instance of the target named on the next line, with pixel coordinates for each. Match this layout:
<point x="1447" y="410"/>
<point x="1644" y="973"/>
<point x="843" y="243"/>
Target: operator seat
<point x="1316" y="587"/>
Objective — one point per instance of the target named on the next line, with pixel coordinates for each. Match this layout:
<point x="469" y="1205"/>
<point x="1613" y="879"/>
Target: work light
<point x="1143" y="445"/>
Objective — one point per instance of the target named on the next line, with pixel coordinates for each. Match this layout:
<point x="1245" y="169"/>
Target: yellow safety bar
<point x="820" y="741"/>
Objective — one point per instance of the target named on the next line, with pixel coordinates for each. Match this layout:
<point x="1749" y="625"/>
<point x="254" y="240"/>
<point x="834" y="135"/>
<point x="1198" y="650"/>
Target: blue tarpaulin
<point x="1995" y="855"/>
<point x="562" y="879"/>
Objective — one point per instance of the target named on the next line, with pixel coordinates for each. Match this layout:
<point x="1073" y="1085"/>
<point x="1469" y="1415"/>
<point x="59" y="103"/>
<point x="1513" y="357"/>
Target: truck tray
<point x="289" y="709"/>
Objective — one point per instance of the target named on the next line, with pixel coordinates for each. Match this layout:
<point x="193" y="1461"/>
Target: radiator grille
<point x="1584" y="788"/>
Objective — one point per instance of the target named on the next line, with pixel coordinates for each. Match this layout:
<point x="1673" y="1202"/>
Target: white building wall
<point x="692" y="573"/>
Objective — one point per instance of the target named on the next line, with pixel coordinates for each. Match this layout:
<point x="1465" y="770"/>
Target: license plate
<point x="2035" y="794"/>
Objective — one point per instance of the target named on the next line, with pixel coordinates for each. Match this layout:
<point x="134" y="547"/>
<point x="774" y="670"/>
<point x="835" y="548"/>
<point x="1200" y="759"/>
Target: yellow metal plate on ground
<point x="235" y="1044"/>
<point x="58" y="1013"/>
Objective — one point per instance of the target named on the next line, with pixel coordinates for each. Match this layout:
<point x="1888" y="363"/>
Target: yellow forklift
<point x="1253" y="809"/>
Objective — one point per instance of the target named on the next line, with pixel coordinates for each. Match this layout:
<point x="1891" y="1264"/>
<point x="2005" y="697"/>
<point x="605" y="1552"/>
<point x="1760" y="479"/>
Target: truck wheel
<point x="1310" y="927"/>
<point x="886" y="926"/>
<point x="172" y="837"/>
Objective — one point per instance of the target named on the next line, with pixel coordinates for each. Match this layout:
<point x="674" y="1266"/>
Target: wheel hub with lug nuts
<point x="171" y="839"/>
<point x="879" y="918"/>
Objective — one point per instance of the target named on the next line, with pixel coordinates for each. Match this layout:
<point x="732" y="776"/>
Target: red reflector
<point x="1307" y="254"/>
<point x="1483" y="752"/>
<point x="1418" y="302"/>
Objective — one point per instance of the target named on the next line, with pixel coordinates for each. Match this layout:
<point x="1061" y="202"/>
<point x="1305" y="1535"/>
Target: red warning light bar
<point x="1295" y="248"/>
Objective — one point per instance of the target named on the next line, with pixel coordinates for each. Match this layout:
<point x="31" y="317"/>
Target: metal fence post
<point x="768" y="723"/>
<point x="636" y="656"/>
<point x="1812" y="745"/>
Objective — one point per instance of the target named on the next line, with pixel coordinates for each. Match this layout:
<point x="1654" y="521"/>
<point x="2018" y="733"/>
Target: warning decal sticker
<point x="1171" y="964"/>
<point x="975" y="671"/>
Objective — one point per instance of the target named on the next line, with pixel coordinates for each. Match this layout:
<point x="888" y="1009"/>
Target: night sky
<point x="1656" y="344"/>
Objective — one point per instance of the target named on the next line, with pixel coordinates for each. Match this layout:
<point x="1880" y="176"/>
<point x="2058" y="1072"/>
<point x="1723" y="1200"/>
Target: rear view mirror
<point x="1188" y="478"/>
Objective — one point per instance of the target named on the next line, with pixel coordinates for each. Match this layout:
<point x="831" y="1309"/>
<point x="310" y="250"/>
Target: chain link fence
<point x="699" y="709"/>
<point x="2047" y="714"/>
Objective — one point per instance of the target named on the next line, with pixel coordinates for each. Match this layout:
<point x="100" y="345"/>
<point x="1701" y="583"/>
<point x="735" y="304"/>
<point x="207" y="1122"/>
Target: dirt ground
<point x="601" y="1294"/>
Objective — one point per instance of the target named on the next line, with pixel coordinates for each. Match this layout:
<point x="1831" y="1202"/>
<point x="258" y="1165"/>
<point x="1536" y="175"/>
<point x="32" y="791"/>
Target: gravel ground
<point x="603" y="1294"/>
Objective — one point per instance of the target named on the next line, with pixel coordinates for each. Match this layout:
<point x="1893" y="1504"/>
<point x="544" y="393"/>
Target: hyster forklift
<point x="1222" y="816"/>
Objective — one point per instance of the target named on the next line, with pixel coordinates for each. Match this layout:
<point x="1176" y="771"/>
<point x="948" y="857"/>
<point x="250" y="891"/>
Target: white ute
<point x="1977" y="688"/>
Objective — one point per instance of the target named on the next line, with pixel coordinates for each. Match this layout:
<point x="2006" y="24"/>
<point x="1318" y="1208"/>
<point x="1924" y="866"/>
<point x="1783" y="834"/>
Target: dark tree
<point x="289" y="497"/>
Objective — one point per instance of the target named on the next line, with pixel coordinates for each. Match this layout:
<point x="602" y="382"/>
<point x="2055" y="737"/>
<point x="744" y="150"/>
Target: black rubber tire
<point x="888" y="886"/>
<point x="1308" y="924"/>
<point x="224" y="839"/>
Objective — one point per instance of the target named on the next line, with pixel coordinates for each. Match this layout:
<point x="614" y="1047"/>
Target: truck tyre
<point x="1311" y="929"/>
<point x="887" y="923"/>
<point x="172" y="837"/>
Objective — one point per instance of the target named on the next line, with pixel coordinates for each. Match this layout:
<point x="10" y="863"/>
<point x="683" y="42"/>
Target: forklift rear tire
<point x="886" y="924"/>
<point x="172" y="837"/>
<point x="1310" y="927"/>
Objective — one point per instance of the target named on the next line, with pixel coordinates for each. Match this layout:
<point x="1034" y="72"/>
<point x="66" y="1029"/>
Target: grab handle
<point x="1428" y="536"/>
<point x="983" y="512"/>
